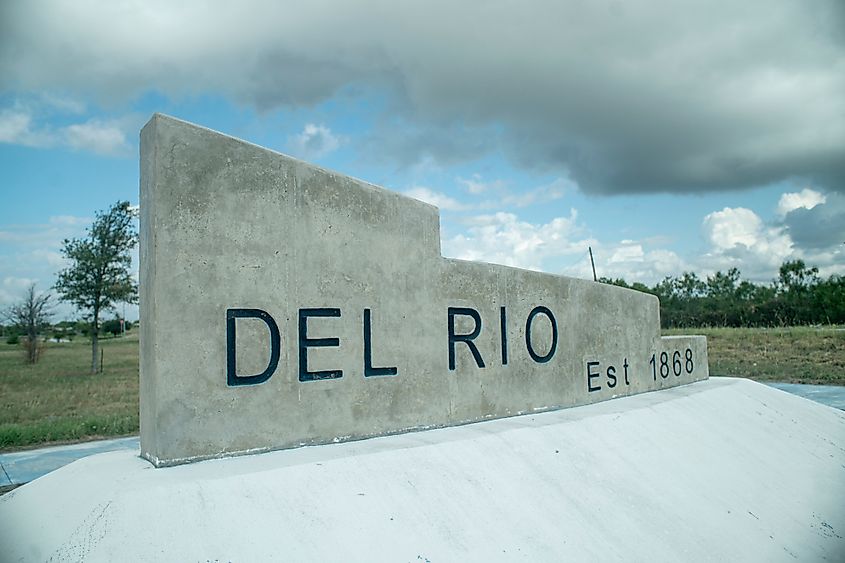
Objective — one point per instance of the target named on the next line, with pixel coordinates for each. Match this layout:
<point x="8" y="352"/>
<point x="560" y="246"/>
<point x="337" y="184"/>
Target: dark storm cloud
<point x="664" y="96"/>
<point x="406" y="144"/>
<point x="819" y="228"/>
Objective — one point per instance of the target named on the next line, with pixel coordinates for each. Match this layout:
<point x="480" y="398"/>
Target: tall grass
<point x="57" y="399"/>
<point x="814" y="355"/>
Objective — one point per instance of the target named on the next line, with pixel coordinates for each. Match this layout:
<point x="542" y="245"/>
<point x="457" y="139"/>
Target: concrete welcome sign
<point x="284" y="305"/>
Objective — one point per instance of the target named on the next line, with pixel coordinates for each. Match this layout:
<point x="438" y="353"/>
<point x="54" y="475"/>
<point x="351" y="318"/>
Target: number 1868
<point x="678" y="365"/>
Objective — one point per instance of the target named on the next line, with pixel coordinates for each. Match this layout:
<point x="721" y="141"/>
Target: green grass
<point x="58" y="400"/>
<point x="793" y="355"/>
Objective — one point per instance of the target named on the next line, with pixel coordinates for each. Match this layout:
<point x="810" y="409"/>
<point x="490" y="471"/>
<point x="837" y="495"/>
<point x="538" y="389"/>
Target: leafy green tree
<point x="829" y="300"/>
<point x="796" y="285"/>
<point x="31" y="316"/>
<point x="795" y="276"/>
<point x="99" y="276"/>
<point x="721" y="305"/>
<point x="641" y="287"/>
<point x="610" y="281"/>
<point x="113" y="326"/>
<point x="83" y="328"/>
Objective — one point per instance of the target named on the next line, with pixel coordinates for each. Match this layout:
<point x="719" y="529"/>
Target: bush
<point x="13" y="339"/>
<point x="113" y="326"/>
<point x="34" y="348"/>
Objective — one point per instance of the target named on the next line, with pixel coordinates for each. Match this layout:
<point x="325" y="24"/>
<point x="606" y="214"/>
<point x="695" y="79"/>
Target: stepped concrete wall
<point x="283" y="305"/>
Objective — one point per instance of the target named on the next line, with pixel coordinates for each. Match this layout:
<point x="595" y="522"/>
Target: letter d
<point x="232" y="378"/>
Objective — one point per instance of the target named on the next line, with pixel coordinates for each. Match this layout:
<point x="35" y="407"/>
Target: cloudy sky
<point x="669" y="136"/>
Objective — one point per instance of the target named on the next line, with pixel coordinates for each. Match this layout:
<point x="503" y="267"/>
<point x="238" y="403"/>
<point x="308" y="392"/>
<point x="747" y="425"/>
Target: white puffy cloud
<point x="631" y="261"/>
<point x="477" y="186"/>
<point x="559" y="246"/>
<point x="660" y="263"/>
<point x="16" y="128"/>
<point x="99" y="137"/>
<point x="438" y="199"/>
<point x="811" y="227"/>
<point x="739" y="238"/>
<point x="314" y="142"/>
<point x="627" y="251"/>
<point x="502" y="238"/>
<point x="731" y="227"/>
<point x="805" y="199"/>
<point x="20" y="125"/>
<point x="733" y="237"/>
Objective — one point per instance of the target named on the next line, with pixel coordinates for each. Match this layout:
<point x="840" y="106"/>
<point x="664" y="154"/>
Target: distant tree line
<point x="798" y="296"/>
<point x="64" y="330"/>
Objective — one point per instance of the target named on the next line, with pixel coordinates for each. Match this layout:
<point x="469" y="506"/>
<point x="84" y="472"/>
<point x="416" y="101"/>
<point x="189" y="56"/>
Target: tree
<point x="31" y="316"/>
<point x="721" y="304"/>
<point x="794" y="276"/>
<point x="796" y="285"/>
<point x="98" y="276"/>
<point x="114" y="326"/>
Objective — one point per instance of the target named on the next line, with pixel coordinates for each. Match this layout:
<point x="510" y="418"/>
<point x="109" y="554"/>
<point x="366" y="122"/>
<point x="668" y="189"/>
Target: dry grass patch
<point x="813" y="355"/>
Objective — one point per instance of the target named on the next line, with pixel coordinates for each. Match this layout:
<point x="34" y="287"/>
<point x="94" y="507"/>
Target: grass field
<point x="57" y="400"/>
<point x="792" y="355"/>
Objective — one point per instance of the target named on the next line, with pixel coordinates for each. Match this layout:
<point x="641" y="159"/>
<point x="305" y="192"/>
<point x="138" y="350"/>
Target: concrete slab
<point x="719" y="470"/>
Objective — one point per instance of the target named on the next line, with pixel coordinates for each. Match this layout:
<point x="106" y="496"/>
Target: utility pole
<point x="592" y="263"/>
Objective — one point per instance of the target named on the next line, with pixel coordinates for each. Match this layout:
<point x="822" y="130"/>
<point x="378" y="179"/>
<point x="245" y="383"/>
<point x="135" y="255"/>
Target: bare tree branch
<point x="31" y="316"/>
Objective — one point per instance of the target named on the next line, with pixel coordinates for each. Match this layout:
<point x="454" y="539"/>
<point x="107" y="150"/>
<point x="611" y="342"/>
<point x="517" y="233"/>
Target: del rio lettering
<point x="455" y="342"/>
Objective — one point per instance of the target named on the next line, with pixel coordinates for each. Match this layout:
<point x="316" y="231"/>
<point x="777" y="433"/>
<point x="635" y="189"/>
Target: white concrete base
<point x="720" y="470"/>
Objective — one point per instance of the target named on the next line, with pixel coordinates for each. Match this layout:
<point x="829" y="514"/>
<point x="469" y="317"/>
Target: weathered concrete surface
<point x="227" y="225"/>
<point x="720" y="470"/>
